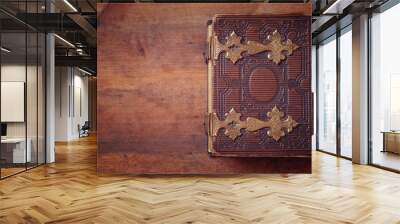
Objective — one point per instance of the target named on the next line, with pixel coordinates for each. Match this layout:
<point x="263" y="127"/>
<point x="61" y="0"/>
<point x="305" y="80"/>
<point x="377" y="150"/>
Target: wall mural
<point x="163" y="110"/>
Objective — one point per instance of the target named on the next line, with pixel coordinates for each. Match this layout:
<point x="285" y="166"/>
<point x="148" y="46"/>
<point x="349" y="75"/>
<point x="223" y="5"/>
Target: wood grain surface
<point x="152" y="90"/>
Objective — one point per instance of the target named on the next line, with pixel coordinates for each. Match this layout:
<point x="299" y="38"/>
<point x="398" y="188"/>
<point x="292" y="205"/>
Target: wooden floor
<point x="69" y="191"/>
<point x="386" y="159"/>
<point x="5" y="172"/>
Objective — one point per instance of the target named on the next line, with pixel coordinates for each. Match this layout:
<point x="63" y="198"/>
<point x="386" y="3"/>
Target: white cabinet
<point x="19" y="155"/>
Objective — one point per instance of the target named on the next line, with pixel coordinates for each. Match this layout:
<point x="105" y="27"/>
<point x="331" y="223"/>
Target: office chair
<point x="84" y="130"/>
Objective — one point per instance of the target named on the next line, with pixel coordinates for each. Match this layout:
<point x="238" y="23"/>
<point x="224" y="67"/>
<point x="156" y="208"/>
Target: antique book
<point x="260" y="102"/>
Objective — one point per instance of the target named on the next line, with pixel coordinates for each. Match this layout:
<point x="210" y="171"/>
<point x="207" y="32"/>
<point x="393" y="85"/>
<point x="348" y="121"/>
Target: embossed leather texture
<point x="271" y="68"/>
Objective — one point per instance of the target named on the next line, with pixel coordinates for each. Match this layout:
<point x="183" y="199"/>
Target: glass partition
<point x="41" y="97"/>
<point x="14" y="153"/>
<point x="32" y="95"/>
<point x="22" y="88"/>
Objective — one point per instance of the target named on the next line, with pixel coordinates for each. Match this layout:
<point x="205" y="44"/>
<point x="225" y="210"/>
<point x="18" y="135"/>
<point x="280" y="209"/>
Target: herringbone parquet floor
<point x="69" y="191"/>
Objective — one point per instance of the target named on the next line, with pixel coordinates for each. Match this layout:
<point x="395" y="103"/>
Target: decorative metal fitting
<point x="234" y="48"/>
<point x="233" y="124"/>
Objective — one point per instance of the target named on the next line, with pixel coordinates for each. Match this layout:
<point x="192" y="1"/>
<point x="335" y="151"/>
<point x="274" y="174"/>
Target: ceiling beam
<point x="81" y="61"/>
<point x="86" y="26"/>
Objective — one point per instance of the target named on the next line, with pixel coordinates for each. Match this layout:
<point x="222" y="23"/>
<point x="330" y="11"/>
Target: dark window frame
<point x="334" y="37"/>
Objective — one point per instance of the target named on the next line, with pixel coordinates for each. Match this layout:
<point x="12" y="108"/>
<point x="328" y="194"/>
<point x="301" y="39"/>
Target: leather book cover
<point x="260" y="102"/>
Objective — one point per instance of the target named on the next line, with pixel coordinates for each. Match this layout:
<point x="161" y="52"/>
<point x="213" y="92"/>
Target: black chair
<point x="84" y="130"/>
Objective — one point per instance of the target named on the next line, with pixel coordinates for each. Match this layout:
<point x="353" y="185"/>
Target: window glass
<point x="14" y="149"/>
<point x="346" y="94"/>
<point x="22" y="90"/>
<point x="327" y="96"/>
<point x="385" y="89"/>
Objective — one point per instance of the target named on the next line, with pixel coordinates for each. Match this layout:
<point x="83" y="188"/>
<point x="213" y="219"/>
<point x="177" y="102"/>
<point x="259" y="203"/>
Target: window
<point x="327" y="96"/>
<point x="334" y="109"/>
<point x="385" y="89"/>
<point x="346" y="93"/>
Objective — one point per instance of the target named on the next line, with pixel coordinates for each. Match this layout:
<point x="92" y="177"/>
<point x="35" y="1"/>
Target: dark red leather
<point x="254" y="85"/>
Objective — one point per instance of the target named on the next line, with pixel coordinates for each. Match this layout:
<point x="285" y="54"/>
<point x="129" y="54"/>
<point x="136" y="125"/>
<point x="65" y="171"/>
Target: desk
<point x="391" y="141"/>
<point x="16" y="148"/>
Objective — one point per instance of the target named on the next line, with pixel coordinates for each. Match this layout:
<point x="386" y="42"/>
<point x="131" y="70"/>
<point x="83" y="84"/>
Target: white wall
<point x="62" y="82"/>
<point x="80" y="112"/>
<point x="17" y="73"/>
<point x="71" y="102"/>
<point x="12" y="73"/>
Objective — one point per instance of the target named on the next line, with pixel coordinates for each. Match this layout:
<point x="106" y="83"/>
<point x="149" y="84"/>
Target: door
<point x="259" y="86"/>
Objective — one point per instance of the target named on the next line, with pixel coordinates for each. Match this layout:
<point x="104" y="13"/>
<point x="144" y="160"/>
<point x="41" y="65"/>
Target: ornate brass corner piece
<point x="234" y="47"/>
<point x="233" y="124"/>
